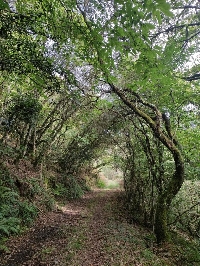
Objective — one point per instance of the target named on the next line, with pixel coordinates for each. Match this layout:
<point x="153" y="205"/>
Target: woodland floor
<point x="87" y="232"/>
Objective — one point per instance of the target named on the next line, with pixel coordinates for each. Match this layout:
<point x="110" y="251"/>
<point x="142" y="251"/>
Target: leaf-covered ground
<point x="88" y="232"/>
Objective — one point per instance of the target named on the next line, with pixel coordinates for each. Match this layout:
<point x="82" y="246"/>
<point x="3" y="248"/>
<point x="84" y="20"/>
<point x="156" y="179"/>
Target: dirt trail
<point x="85" y="232"/>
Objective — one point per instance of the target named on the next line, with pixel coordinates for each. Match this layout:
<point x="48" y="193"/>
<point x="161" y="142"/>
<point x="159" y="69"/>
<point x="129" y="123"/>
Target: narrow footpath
<point x="87" y="232"/>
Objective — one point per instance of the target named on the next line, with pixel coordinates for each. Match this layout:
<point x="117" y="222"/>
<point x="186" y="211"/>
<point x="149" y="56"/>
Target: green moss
<point x="161" y="229"/>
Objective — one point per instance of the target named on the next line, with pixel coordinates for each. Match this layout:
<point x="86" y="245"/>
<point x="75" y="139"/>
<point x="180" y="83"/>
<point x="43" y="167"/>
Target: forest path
<point x="87" y="232"/>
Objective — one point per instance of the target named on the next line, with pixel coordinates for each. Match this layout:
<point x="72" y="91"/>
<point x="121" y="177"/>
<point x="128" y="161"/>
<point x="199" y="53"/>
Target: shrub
<point x="100" y="183"/>
<point x="27" y="212"/>
<point x="46" y="195"/>
<point x="73" y="188"/>
<point x="185" y="214"/>
<point x="68" y="187"/>
<point x="23" y="107"/>
<point x="9" y="220"/>
<point x="13" y="212"/>
<point x="60" y="190"/>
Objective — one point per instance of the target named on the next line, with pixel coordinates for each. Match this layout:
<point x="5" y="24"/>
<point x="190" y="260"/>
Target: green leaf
<point x="158" y="16"/>
<point x="4" y="5"/>
<point x="165" y="8"/>
<point x="4" y="229"/>
<point x="150" y="26"/>
<point x="168" y="13"/>
<point x="121" y="32"/>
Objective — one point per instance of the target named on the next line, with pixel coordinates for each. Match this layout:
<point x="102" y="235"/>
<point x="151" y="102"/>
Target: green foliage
<point x="9" y="225"/>
<point x="27" y="212"/>
<point x="187" y="251"/>
<point x="17" y="212"/>
<point x="107" y="179"/>
<point x="60" y="190"/>
<point x="185" y="212"/>
<point x="69" y="187"/>
<point x="100" y="183"/>
<point x="24" y="107"/>
<point x="45" y="195"/>
<point x="113" y="184"/>
<point x="73" y="188"/>
<point x="9" y="211"/>
<point x="14" y="213"/>
<point x="190" y="144"/>
<point x="47" y="200"/>
<point x="4" y="5"/>
<point x="87" y="145"/>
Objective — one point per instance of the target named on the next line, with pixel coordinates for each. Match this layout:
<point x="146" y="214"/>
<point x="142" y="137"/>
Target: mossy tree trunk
<point x="161" y="229"/>
<point x="165" y="198"/>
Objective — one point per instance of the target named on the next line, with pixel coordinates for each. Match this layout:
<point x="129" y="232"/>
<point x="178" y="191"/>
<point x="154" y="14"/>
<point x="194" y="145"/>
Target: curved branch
<point x="193" y="77"/>
<point x="188" y="6"/>
<point x="171" y="28"/>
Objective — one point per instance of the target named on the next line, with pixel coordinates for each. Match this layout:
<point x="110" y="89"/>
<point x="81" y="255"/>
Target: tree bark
<point x="161" y="230"/>
<point x="165" y="199"/>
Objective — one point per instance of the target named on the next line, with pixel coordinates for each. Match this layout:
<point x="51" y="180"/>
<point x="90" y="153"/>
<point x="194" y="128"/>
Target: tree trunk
<point x="161" y="230"/>
<point x="165" y="199"/>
